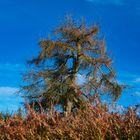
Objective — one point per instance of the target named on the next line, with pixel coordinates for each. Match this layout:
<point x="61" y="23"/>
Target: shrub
<point x="89" y="122"/>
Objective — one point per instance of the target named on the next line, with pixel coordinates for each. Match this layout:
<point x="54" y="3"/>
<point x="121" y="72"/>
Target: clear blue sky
<point x="24" y="22"/>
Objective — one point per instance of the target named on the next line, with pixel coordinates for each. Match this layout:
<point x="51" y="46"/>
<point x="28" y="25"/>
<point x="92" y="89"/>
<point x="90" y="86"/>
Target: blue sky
<point x="24" y="22"/>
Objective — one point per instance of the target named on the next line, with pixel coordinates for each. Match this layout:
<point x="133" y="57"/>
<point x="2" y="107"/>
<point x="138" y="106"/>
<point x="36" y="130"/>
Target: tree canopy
<point x="77" y="52"/>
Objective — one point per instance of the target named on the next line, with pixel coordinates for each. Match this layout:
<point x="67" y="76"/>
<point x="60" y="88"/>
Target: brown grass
<point x="88" y="123"/>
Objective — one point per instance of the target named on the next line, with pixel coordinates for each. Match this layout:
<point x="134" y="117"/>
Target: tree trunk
<point x="68" y="107"/>
<point x="76" y="63"/>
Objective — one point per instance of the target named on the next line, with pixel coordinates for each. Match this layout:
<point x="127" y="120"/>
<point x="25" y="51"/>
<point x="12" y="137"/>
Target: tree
<point x="75" y="51"/>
